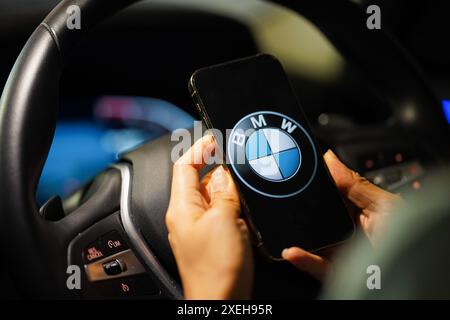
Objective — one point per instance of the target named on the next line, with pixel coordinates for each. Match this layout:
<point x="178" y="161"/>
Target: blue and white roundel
<point x="272" y="154"/>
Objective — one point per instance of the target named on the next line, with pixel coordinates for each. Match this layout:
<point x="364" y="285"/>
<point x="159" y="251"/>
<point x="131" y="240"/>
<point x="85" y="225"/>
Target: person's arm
<point x="209" y="240"/>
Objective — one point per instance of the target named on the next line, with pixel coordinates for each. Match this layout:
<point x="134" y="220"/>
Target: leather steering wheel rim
<point x="29" y="107"/>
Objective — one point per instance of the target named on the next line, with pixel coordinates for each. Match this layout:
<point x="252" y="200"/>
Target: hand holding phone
<point x="288" y="195"/>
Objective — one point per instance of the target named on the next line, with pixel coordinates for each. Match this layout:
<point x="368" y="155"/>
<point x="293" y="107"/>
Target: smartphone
<point x="289" y="197"/>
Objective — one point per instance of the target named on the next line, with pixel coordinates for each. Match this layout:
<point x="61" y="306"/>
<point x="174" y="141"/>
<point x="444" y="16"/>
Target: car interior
<point x="85" y="123"/>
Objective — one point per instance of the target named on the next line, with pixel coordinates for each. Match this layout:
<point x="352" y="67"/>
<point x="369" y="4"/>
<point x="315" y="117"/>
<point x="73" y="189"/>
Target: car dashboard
<point x="91" y="133"/>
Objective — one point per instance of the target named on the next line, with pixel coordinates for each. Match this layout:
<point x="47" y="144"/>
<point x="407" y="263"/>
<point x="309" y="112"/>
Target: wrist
<point x="207" y="290"/>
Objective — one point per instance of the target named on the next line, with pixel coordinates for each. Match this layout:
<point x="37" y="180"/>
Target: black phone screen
<point x="272" y="154"/>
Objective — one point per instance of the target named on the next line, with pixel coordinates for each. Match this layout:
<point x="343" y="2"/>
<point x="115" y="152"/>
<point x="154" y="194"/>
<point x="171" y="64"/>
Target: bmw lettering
<point x="272" y="154"/>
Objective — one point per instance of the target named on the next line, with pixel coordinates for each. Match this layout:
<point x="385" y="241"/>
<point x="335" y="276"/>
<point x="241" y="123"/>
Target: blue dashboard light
<point x="446" y="107"/>
<point x="84" y="146"/>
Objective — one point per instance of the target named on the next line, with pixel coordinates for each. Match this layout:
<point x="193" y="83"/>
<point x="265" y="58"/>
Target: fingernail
<point x="331" y="154"/>
<point x="284" y="252"/>
<point x="219" y="180"/>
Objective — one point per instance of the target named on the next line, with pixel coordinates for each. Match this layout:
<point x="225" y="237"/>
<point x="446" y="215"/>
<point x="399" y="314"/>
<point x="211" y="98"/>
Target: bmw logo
<point x="272" y="154"/>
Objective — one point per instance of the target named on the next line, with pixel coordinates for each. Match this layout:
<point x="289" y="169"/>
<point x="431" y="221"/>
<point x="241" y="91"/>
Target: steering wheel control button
<point x="93" y="252"/>
<point x="112" y="243"/>
<point x="114" y="267"/>
<point x="119" y="265"/>
<point x="272" y="154"/>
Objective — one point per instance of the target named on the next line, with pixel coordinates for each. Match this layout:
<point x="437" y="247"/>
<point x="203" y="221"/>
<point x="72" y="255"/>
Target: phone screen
<point x="272" y="154"/>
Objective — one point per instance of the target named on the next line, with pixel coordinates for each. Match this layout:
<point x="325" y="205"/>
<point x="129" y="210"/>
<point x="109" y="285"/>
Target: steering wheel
<point x="118" y="234"/>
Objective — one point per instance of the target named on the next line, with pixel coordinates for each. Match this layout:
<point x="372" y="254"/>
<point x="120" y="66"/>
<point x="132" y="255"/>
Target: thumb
<point x="307" y="262"/>
<point x="356" y="188"/>
<point x="223" y="192"/>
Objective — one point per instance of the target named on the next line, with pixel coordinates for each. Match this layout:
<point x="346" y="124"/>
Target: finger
<point x="199" y="153"/>
<point x="171" y="242"/>
<point x="244" y="228"/>
<point x="307" y="262"/>
<point x="186" y="200"/>
<point x="354" y="187"/>
<point x="242" y="225"/>
<point x="205" y="186"/>
<point x="223" y="193"/>
<point x="185" y="179"/>
<point x="329" y="252"/>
